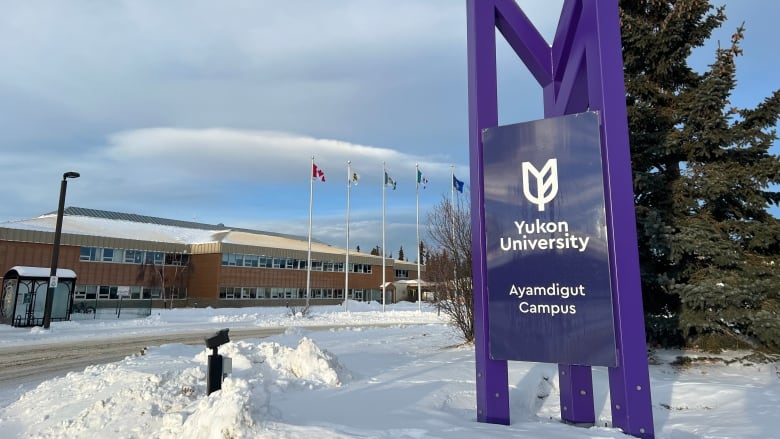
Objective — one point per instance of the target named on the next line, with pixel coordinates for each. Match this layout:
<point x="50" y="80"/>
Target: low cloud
<point x="261" y="157"/>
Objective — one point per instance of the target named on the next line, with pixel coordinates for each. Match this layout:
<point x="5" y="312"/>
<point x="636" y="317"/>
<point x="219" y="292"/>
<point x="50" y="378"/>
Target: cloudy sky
<point x="211" y="110"/>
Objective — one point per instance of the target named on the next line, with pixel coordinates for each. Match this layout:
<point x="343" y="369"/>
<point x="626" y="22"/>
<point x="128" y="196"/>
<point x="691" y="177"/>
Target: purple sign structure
<point x="549" y="291"/>
<point x="581" y="71"/>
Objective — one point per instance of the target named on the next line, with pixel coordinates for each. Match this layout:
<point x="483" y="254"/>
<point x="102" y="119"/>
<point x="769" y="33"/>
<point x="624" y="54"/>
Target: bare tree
<point x="448" y="263"/>
<point x="169" y="274"/>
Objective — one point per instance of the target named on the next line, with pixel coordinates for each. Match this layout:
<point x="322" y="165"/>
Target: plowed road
<point x="21" y="362"/>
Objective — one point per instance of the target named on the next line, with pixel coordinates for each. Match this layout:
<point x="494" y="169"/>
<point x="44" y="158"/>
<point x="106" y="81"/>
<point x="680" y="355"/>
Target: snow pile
<point x="164" y="391"/>
<point x="306" y="362"/>
<point x="227" y="413"/>
<point x="115" y="397"/>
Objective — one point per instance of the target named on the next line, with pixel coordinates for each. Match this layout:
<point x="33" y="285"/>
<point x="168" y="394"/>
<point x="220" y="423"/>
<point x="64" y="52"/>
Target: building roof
<point x="132" y="217"/>
<point x="169" y="235"/>
<point x="41" y="272"/>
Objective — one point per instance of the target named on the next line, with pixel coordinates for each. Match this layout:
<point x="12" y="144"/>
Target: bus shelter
<point x="24" y="295"/>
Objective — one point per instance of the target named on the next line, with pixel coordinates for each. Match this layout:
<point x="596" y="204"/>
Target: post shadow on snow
<point x="386" y="388"/>
<point x="674" y="372"/>
<point x="381" y="399"/>
<point x="531" y="391"/>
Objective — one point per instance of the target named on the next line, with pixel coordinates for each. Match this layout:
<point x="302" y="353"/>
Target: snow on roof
<point x="42" y="272"/>
<point x="254" y="239"/>
<point x="125" y="226"/>
<point x="81" y="225"/>
<point x="410" y="282"/>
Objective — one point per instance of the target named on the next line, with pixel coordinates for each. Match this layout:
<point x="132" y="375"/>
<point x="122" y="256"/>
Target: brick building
<point x="180" y="263"/>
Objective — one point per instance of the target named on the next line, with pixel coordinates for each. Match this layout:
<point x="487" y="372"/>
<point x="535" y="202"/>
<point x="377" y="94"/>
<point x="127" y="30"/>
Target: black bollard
<point x="214" y="378"/>
<point x="214" y="375"/>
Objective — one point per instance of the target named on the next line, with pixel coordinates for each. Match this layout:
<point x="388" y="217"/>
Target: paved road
<point x="19" y="363"/>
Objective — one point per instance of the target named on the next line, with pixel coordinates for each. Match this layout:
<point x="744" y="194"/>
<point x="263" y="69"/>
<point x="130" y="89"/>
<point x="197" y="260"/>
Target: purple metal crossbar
<point x="583" y="70"/>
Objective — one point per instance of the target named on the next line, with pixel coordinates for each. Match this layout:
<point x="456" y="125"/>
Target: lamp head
<point x="218" y="339"/>
<point x="70" y="174"/>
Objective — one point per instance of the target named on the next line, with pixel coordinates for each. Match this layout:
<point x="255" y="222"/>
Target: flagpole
<point x="417" y="209"/>
<point x="452" y="210"/>
<point x="452" y="200"/>
<point x="308" y="260"/>
<point x="382" y="250"/>
<point x="346" y="256"/>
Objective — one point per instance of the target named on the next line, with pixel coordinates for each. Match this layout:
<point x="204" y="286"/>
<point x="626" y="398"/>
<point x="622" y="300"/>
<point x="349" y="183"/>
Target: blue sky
<point x="211" y="111"/>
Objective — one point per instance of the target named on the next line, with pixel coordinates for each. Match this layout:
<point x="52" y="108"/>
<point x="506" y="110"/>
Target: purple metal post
<point x="583" y="70"/>
<point x="629" y="382"/>
<point x="568" y="94"/>
<point x="492" y="378"/>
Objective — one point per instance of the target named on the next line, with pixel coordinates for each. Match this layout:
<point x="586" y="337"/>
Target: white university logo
<point x="546" y="188"/>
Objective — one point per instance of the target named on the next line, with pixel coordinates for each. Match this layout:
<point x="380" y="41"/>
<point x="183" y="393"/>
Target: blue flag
<point x="457" y="184"/>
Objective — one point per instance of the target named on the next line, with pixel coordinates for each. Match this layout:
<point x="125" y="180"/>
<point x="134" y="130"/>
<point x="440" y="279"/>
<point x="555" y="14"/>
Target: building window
<point x="91" y="292"/>
<point x="119" y="255"/>
<point x="180" y="259"/>
<point x="402" y="274"/>
<point x="153" y="258"/>
<point x="156" y="292"/>
<point x="176" y="293"/>
<point x="250" y="261"/>
<point x="134" y="256"/>
<point x="88" y="254"/>
<point x="360" y="268"/>
<point x="80" y="292"/>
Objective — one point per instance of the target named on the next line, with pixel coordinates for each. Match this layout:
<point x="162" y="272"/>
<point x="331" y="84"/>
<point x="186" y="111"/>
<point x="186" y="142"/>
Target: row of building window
<point x="112" y="292"/>
<point x="402" y="274"/>
<point x="126" y="256"/>
<point x="260" y="261"/>
<point x="284" y="293"/>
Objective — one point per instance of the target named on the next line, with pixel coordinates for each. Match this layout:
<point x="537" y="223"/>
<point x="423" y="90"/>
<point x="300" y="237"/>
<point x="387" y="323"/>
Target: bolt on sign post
<point x="556" y="266"/>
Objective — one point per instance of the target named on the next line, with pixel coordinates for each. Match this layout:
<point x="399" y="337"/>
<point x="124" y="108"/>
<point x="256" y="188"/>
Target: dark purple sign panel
<point x="549" y="290"/>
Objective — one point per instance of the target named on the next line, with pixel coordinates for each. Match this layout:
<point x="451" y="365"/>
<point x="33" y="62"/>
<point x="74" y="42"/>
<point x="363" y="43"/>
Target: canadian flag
<point x="316" y="172"/>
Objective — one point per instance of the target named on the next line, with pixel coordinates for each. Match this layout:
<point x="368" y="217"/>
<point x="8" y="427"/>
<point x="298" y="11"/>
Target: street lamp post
<point x="55" y="251"/>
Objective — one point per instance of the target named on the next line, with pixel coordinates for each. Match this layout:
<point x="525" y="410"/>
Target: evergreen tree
<point x="375" y="251"/>
<point x="357" y="249"/>
<point x="401" y="253"/>
<point x="703" y="181"/>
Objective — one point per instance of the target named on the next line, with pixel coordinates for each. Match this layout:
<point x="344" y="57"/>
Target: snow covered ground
<point x="411" y="380"/>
